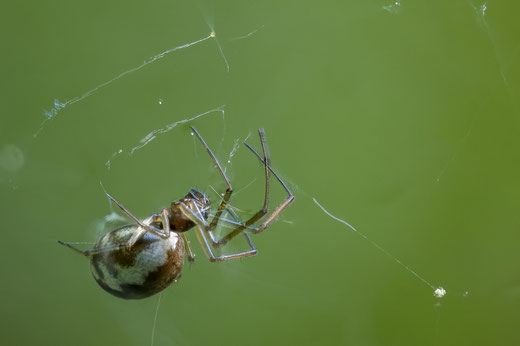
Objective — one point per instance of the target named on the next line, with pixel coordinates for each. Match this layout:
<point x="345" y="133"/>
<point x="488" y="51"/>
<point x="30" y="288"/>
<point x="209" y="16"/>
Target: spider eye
<point x="198" y="195"/>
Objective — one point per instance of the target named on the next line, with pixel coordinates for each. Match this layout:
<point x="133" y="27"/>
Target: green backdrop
<point x="401" y="118"/>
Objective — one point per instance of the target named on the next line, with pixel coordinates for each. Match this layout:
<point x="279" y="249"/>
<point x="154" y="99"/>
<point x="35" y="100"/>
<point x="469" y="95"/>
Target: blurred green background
<point x="401" y="118"/>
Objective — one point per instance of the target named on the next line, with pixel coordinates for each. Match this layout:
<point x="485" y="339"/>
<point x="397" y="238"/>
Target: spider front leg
<point x="204" y="238"/>
<point x="263" y="211"/>
<point x="229" y="190"/>
<point x="283" y="205"/>
<point x="248" y="224"/>
<point x="206" y="246"/>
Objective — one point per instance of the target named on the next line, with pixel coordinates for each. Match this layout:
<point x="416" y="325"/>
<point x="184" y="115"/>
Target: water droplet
<point x="439" y="292"/>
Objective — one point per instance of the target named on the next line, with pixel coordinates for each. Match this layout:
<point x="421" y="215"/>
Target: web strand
<point x="438" y="291"/>
<point x="153" y="134"/>
<point x="58" y="105"/>
<point x="155" y="318"/>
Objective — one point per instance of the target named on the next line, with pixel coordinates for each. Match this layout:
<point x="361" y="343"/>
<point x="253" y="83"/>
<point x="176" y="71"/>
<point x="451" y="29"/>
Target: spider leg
<point x="283" y="205"/>
<point x="145" y="226"/>
<point x="263" y="211"/>
<point x="201" y="236"/>
<point x="233" y="224"/>
<point x="138" y="234"/>
<point x="191" y="255"/>
<point x="229" y="190"/>
<point x="164" y="233"/>
<point x="204" y="237"/>
<point x="204" y="233"/>
<point x="90" y="252"/>
<point x="75" y="249"/>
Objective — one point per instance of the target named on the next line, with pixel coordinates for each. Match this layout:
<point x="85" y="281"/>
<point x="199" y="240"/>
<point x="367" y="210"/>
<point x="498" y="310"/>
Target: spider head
<point x="184" y="211"/>
<point x="198" y="202"/>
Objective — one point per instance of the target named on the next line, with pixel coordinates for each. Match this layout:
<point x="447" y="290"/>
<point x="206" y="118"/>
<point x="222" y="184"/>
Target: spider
<point x="139" y="260"/>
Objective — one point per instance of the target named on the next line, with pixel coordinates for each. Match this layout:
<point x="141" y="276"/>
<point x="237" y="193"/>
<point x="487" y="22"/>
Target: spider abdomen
<point x="145" y="269"/>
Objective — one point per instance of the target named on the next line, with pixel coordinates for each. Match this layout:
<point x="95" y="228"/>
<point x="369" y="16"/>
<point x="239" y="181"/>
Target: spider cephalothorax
<point x="198" y="205"/>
